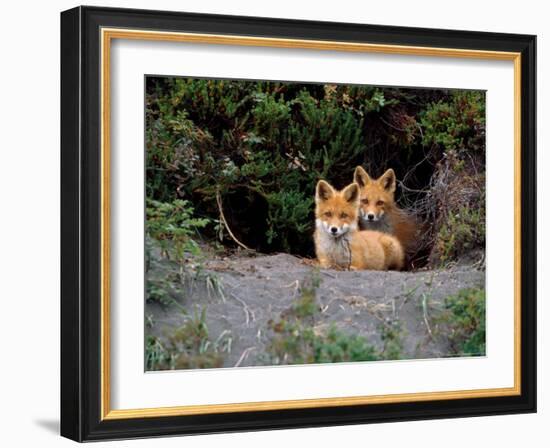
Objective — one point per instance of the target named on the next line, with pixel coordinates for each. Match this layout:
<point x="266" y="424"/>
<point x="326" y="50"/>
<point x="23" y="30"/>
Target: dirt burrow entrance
<point x="258" y="290"/>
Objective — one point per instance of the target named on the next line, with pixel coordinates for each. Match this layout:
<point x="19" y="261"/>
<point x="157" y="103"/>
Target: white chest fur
<point x="336" y="250"/>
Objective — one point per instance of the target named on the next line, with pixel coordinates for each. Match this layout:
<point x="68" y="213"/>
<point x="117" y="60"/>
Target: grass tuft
<point x="188" y="347"/>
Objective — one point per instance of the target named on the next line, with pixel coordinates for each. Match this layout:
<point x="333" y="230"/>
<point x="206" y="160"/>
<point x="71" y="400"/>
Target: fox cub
<point x="378" y="210"/>
<point x="338" y="241"/>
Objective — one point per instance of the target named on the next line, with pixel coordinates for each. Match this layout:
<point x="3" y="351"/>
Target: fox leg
<point x="395" y="256"/>
<point x="324" y="262"/>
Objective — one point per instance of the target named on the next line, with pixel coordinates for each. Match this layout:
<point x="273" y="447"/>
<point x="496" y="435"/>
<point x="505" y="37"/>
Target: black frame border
<point x="81" y="223"/>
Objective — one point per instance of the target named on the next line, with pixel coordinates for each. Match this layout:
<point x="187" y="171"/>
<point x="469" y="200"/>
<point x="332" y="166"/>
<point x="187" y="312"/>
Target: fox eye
<point x="380" y="203"/>
<point x="343" y="215"/>
<point x="365" y="201"/>
<point x="328" y="214"/>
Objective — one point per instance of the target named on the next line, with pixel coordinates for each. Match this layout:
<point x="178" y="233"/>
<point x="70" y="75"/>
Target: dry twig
<point x="244" y="355"/>
<point x="248" y="313"/>
<point x="222" y="217"/>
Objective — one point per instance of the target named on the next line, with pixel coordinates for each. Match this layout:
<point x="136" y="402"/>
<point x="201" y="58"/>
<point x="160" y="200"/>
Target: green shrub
<point x="463" y="231"/>
<point x="456" y="124"/>
<point x="456" y="198"/>
<point x="466" y="321"/>
<point x="296" y="342"/>
<point x="261" y="147"/>
<point x="173" y="226"/>
<point x="336" y="346"/>
<point x="392" y="338"/>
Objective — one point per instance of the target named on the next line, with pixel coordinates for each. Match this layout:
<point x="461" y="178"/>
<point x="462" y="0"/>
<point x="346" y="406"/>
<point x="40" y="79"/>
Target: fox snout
<point x="338" y="230"/>
<point x="334" y="229"/>
<point x="370" y="216"/>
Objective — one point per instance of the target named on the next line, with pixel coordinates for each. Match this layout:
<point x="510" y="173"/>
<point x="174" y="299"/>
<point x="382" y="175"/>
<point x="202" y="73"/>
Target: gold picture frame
<point x="118" y="26"/>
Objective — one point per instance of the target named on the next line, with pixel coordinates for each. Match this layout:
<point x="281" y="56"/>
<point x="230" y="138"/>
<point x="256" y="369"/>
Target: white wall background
<point x="29" y="219"/>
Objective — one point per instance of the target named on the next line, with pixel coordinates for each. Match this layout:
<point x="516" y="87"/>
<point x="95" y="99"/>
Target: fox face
<point x="376" y="196"/>
<point x="336" y="212"/>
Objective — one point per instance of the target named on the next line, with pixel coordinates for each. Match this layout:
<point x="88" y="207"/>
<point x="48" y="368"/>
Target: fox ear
<point x="387" y="180"/>
<point x="360" y="177"/>
<point x="323" y="191"/>
<point x="351" y="193"/>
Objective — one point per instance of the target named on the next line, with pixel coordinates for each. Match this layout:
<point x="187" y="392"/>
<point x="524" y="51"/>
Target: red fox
<point x="338" y="241"/>
<point x="378" y="210"/>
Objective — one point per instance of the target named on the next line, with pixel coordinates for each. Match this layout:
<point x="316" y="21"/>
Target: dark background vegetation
<point x="256" y="149"/>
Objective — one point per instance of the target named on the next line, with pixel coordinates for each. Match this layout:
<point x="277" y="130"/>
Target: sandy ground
<point x="258" y="289"/>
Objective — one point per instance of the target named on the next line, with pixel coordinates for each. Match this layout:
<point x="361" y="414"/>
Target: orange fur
<point x="338" y="241"/>
<point x="377" y="200"/>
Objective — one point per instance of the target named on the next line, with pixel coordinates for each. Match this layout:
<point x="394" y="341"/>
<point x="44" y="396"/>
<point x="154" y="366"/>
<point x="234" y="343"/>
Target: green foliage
<point x="270" y="117"/>
<point x="295" y="342"/>
<point x="466" y="320"/>
<point x="459" y="224"/>
<point x="274" y="139"/>
<point x="261" y="147"/>
<point x="288" y="215"/>
<point x="155" y="353"/>
<point x="336" y="346"/>
<point x="456" y="128"/>
<point x="172" y="225"/>
<point x="188" y="347"/>
<point x="456" y="124"/>
<point x="179" y="271"/>
<point x="155" y="291"/>
<point x="392" y="338"/>
<point x="463" y="231"/>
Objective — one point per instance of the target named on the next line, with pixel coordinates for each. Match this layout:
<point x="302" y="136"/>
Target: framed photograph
<point x="273" y="223"/>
